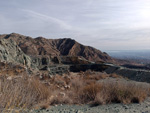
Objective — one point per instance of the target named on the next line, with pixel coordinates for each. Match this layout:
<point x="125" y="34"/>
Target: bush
<point x="28" y="92"/>
<point x="121" y="93"/>
<point x="22" y="93"/>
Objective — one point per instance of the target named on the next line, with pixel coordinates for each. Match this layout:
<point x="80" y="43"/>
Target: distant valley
<point x="139" y="56"/>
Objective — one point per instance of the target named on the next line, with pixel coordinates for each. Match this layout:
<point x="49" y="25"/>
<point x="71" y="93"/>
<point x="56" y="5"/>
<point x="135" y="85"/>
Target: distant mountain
<point x="56" y="47"/>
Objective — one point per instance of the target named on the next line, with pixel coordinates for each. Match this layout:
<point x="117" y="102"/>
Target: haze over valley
<point x="140" y="56"/>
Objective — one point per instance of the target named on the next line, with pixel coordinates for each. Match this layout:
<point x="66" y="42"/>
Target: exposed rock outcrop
<point x="12" y="56"/>
<point x="133" y="74"/>
<point x="11" y="52"/>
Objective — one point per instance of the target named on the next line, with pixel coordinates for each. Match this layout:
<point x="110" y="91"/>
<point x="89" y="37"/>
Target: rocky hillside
<point x="56" y="47"/>
<point x="14" y="61"/>
<point x="11" y="52"/>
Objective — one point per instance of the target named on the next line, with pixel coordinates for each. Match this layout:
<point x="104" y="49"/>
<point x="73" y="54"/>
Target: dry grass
<point x="22" y="93"/>
<point x="89" y="92"/>
<point x="121" y="93"/>
<point x="115" y="76"/>
<point x="112" y="93"/>
<point x="81" y="88"/>
<point x="84" y="89"/>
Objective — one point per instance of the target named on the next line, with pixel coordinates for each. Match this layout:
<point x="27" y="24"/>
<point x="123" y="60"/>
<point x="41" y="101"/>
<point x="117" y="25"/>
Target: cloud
<point x="59" y="22"/>
<point x="103" y="24"/>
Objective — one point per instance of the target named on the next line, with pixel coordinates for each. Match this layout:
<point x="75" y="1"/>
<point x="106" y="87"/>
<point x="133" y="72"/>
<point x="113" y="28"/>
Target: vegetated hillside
<point x="56" y="47"/>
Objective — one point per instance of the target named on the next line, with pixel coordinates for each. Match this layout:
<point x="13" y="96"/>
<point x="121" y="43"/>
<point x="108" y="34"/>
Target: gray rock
<point x="132" y="74"/>
<point x="11" y="52"/>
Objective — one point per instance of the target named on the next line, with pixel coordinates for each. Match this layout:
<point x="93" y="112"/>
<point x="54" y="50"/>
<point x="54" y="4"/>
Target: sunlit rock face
<point x="11" y="52"/>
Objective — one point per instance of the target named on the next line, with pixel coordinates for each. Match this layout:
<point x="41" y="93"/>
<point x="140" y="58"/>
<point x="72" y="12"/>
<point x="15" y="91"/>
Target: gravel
<point x="110" y="108"/>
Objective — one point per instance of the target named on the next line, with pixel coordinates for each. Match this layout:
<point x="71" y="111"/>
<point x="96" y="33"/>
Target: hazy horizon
<point x="125" y="50"/>
<point x="103" y="24"/>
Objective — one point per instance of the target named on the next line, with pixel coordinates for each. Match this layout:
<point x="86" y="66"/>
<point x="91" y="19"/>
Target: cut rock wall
<point x="133" y="74"/>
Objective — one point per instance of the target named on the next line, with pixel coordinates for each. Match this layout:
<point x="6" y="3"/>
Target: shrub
<point x="27" y="92"/>
<point x="121" y="93"/>
<point x="22" y="93"/>
<point x="89" y="92"/>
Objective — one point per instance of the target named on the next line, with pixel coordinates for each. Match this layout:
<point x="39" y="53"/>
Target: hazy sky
<point x="104" y="24"/>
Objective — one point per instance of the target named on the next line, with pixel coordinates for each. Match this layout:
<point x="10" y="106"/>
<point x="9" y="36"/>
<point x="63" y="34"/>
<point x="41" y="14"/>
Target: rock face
<point x="12" y="59"/>
<point x="133" y="74"/>
<point x="11" y="52"/>
<point x="56" y="47"/>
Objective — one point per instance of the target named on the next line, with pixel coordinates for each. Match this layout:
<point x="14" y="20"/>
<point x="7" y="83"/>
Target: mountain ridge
<point x="56" y="47"/>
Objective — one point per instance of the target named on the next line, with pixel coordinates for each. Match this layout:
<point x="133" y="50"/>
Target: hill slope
<point x="56" y="47"/>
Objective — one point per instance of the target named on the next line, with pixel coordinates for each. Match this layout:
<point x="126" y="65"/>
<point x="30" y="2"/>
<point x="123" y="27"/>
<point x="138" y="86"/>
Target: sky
<point x="103" y="24"/>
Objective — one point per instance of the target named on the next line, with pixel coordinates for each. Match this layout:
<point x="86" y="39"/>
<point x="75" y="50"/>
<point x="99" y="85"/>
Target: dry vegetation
<point x="82" y="88"/>
<point x="21" y="93"/>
